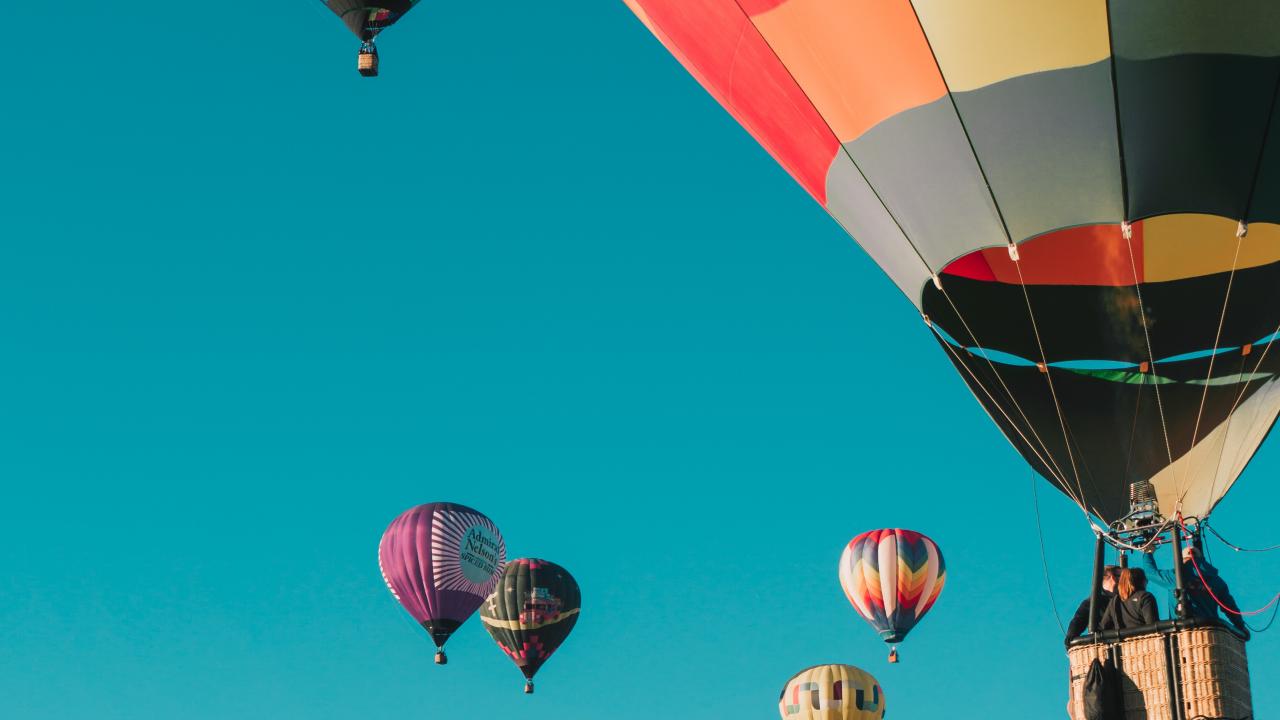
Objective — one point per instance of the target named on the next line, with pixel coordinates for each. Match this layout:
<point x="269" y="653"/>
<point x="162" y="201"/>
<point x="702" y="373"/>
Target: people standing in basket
<point x="1137" y="607"/>
<point x="1106" y="607"/>
<point x="1203" y="584"/>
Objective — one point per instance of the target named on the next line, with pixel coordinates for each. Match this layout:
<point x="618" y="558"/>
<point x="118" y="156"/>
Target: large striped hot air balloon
<point x="440" y="561"/>
<point x="892" y="577"/>
<point x="1081" y="197"/>
<point x="832" y="692"/>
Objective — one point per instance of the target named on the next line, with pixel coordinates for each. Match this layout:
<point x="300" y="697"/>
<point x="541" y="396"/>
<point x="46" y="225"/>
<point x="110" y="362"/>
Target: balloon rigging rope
<point x="1030" y="426"/>
<point x="1015" y="427"/>
<point x="1044" y="559"/>
<point x="1237" y="548"/>
<point x="1183" y="489"/>
<point x="1222" y="447"/>
<point x="1049" y="378"/>
<point x="1133" y="430"/>
<point x="1249" y="613"/>
<point x="1240" y="396"/>
<point x="1276" y="609"/>
<point x="1146" y="333"/>
<point x="1266" y="627"/>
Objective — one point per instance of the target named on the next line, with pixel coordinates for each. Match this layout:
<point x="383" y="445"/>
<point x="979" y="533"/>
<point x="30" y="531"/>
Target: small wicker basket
<point x="367" y="64"/>
<point x="1209" y="663"/>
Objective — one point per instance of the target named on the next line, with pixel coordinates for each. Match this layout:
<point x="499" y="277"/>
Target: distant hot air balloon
<point x="832" y="692"/>
<point x="892" y="578"/>
<point x="366" y="19"/>
<point x="441" y="560"/>
<point x="1081" y="198"/>
<point x="531" y="612"/>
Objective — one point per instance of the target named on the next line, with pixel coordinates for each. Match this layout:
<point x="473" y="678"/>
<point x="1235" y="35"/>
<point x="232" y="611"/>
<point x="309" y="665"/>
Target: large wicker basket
<point x="1209" y="663"/>
<point x="1215" y="674"/>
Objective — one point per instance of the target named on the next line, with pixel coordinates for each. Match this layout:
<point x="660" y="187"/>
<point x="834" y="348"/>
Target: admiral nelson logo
<point x="479" y="554"/>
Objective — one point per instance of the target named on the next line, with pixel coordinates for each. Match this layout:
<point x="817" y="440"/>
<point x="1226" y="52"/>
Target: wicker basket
<point x="1215" y="674"/>
<point x="367" y="64"/>
<point x="1209" y="662"/>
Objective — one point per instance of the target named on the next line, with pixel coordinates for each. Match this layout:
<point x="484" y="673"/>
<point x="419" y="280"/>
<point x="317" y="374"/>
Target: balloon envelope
<point x="1056" y="186"/>
<point x="532" y="611"/>
<point x="366" y="19"/>
<point x="832" y="692"/>
<point x="892" y="578"/>
<point x="441" y="560"/>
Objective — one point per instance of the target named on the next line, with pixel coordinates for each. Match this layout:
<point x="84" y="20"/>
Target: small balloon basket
<point x="1174" y="670"/>
<point x="367" y="60"/>
<point x="441" y="658"/>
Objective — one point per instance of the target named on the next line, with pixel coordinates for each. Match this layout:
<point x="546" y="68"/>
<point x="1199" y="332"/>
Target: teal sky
<point x="253" y="306"/>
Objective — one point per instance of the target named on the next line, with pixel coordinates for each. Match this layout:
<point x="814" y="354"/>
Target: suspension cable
<point x="1237" y="548"/>
<point x="1226" y="434"/>
<point x="1049" y="378"/>
<point x="997" y="405"/>
<point x="1030" y="425"/>
<point x="1240" y="396"/>
<point x="1126" y="230"/>
<point x="1250" y="613"/>
<point x="1044" y="559"/>
<point x="1133" y="430"/>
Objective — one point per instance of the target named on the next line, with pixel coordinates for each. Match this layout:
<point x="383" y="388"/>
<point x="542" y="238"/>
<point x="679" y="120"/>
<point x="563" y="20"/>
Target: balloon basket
<point x="367" y="61"/>
<point x="893" y="655"/>
<point x="441" y="658"/>
<point x="1174" y="669"/>
<point x="528" y="687"/>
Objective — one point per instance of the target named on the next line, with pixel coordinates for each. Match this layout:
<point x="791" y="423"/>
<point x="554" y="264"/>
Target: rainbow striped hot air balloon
<point x="892" y="577"/>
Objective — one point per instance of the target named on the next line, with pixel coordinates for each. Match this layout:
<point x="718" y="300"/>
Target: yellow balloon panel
<point x="832" y="692"/>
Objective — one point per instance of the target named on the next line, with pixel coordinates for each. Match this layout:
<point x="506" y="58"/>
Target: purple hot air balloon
<point x="441" y="560"/>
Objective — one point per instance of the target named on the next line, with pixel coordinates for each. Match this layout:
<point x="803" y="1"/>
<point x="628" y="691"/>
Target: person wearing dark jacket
<point x="1198" y="586"/>
<point x="1136" y="607"/>
<point x="1106" y="610"/>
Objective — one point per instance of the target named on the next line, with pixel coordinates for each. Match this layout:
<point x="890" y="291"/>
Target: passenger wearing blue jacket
<point x="1198" y="601"/>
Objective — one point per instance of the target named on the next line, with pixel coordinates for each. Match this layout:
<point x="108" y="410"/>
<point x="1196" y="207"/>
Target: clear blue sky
<point x="253" y="306"/>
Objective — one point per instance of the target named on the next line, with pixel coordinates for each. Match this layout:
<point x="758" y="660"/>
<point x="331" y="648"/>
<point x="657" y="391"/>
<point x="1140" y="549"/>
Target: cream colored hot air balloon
<point x="832" y="692"/>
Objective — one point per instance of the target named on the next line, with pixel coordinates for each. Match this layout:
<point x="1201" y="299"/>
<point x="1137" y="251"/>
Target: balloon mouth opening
<point x="890" y="636"/>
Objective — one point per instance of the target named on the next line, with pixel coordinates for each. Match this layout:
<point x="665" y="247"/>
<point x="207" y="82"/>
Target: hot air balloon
<point x="831" y="692"/>
<point x="892" y="578"/>
<point x="366" y="20"/>
<point x="441" y="560"/>
<point x="531" y="612"/>
<point x="1081" y="198"/>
